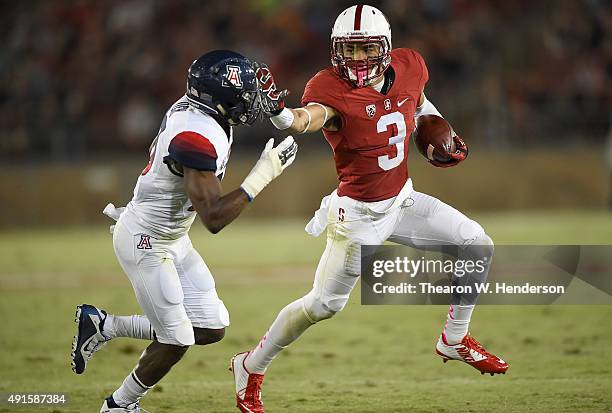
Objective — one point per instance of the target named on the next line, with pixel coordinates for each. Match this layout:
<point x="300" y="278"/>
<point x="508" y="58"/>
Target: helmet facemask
<point x="246" y="112"/>
<point x="360" y="72"/>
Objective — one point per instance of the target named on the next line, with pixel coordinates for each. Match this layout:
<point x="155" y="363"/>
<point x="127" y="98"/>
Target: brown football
<point x="433" y="137"/>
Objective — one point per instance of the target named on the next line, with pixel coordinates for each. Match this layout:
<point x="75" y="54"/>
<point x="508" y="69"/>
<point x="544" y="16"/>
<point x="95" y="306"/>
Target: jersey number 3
<point x="397" y="119"/>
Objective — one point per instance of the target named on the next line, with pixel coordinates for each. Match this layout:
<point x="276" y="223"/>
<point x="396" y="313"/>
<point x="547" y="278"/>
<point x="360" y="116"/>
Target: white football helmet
<point x="361" y="24"/>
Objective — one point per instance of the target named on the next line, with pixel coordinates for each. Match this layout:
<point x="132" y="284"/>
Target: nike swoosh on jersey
<point x="401" y="102"/>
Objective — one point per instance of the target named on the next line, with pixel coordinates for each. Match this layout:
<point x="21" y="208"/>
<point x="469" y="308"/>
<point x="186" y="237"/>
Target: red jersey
<point x="371" y="147"/>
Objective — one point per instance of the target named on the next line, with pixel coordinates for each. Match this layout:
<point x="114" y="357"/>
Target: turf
<point x="367" y="359"/>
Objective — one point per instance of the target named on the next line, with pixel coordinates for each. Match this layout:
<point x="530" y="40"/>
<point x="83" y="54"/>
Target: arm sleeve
<point x="194" y="151"/>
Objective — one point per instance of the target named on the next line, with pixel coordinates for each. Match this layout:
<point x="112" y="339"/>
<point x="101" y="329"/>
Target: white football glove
<point x="272" y="162"/>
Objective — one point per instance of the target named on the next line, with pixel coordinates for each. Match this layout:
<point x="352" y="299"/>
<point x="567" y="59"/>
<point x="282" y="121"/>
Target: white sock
<point x="134" y="326"/>
<point x="290" y="323"/>
<point x="130" y="391"/>
<point x="457" y="322"/>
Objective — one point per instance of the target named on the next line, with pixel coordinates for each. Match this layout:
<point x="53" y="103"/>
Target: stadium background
<point x="83" y="87"/>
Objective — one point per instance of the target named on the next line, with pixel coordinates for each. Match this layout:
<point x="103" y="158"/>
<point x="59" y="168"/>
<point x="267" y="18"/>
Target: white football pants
<point x="172" y="283"/>
<point x="421" y="221"/>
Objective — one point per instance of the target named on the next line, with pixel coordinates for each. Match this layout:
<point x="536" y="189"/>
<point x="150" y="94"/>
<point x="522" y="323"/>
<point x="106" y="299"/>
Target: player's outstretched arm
<point x="217" y="210"/>
<point x="307" y="119"/>
<point x="310" y="118"/>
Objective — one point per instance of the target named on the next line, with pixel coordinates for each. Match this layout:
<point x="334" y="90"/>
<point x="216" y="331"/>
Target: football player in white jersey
<point x="172" y="283"/>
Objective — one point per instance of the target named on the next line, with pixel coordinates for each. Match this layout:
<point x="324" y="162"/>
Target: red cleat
<point x="248" y="386"/>
<point x="471" y="352"/>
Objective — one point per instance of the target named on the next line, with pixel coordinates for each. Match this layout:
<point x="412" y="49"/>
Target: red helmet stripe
<point x="357" y="24"/>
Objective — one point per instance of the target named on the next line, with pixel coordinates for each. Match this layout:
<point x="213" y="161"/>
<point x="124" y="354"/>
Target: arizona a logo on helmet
<point x="233" y="76"/>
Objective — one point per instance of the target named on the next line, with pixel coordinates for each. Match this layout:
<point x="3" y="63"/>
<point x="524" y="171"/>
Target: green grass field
<point x="367" y="359"/>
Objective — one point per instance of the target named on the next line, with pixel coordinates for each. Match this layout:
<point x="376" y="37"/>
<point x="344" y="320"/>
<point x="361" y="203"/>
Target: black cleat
<point x="89" y="337"/>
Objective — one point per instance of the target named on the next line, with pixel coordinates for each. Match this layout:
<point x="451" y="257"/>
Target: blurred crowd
<point x="83" y="78"/>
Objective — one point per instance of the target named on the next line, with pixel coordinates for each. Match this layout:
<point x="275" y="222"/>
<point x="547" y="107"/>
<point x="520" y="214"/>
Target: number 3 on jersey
<point x="395" y="118"/>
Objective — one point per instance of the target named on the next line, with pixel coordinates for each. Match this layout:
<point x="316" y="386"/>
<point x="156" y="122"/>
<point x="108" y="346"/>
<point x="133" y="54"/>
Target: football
<point x="433" y="137"/>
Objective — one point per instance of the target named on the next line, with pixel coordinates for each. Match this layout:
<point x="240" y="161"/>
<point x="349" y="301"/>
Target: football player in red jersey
<point x="366" y="105"/>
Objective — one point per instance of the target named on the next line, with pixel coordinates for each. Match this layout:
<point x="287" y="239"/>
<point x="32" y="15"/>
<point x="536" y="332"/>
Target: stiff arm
<point x="313" y="117"/>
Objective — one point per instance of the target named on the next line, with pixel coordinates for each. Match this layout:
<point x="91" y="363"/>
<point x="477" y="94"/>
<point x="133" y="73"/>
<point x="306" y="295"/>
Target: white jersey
<point x="188" y="137"/>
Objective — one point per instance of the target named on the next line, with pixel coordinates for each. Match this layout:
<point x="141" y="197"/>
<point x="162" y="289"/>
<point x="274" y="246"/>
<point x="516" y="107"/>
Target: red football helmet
<point x="366" y="25"/>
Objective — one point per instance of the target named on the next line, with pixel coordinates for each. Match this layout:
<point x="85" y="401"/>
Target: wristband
<point x="249" y="197"/>
<point x="283" y="120"/>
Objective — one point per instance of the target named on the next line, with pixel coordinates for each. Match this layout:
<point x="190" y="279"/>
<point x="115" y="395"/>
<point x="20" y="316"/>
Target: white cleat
<point x="248" y="386"/>
<point x="110" y="406"/>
